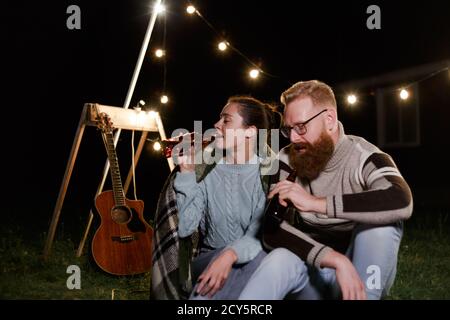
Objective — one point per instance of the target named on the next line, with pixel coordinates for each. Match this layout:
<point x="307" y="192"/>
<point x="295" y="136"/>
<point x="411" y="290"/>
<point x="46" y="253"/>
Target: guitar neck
<point x="119" y="194"/>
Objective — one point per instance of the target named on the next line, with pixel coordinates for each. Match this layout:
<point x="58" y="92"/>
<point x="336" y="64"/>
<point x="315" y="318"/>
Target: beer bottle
<point x="275" y="213"/>
<point x="167" y="145"/>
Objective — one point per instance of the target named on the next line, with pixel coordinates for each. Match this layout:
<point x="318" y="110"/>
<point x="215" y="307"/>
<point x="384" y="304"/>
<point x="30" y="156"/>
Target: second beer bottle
<point x="275" y="213"/>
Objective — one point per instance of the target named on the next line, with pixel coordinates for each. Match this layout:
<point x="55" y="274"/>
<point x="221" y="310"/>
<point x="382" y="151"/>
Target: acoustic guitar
<point x="122" y="244"/>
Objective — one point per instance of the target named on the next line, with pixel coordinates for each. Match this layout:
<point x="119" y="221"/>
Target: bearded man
<point x="349" y="200"/>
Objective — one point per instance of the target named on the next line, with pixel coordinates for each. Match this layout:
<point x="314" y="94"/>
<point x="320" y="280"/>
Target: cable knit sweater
<point x="228" y="205"/>
<point x="361" y="184"/>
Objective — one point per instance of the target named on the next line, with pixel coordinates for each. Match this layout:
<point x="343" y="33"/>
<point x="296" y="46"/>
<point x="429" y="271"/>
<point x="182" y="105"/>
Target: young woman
<point x="228" y="204"/>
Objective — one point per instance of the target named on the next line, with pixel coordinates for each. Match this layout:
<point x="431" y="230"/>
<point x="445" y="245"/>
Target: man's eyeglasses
<point x="299" y="128"/>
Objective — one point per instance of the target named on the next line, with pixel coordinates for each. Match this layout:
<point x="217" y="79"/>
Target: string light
<point x="157" y="146"/>
<point x="404" y="94"/>
<point x="160" y="8"/>
<point x="164" y="99"/>
<point x="191" y="9"/>
<point x="159" y="53"/>
<point x="351" y="99"/>
<point x="225" y="45"/>
<point x="139" y="106"/>
<point x="222" y="46"/>
<point x="255" y="72"/>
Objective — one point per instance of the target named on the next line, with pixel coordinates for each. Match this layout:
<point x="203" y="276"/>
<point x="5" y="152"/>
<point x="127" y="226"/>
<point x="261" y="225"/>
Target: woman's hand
<point x="186" y="161"/>
<point x="215" y="275"/>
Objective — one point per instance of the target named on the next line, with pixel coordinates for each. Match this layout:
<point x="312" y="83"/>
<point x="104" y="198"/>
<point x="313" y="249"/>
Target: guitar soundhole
<point x="120" y="214"/>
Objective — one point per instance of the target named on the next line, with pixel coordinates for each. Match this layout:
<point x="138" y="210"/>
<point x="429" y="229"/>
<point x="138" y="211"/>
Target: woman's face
<point x="230" y="129"/>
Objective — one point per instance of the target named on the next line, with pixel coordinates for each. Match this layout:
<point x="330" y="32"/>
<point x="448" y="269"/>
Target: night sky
<point x="52" y="71"/>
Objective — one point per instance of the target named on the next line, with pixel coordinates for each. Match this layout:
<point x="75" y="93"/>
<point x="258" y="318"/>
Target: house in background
<point x="413" y="126"/>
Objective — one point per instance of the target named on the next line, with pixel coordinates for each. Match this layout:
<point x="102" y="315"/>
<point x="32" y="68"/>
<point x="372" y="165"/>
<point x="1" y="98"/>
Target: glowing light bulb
<point x="164" y="99"/>
<point x="160" y="8"/>
<point x="254" y="73"/>
<point x="351" y="99"/>
<point x="404" y="94"/>
<point x="159" y="53"/>
<point x="157" y="146"/>
<point x="190" y="9"/>
<point x="222" y="46"/>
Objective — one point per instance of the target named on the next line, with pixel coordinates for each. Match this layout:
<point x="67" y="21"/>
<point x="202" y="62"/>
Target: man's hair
<point x="319" y="92"/>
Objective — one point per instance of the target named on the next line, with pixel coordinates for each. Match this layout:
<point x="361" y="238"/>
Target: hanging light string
<point x="352" y="98"/>
<point x="426" y="77"/>
<point x="404" y="94"/>
<point x="403" y="91"/>
<point x="165" y="59"/>
<point x="231" y="46"/>
<point x="254" y="73"/>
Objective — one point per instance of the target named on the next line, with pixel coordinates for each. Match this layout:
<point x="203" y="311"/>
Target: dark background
<point x="51" y="71"/>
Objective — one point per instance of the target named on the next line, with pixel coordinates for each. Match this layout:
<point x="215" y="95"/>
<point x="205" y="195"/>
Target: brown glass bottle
<point x="275" y="213"/>
<point x="167" y="145"/>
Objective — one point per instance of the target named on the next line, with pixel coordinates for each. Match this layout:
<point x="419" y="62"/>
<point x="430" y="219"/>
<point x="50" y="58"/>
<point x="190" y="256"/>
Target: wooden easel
<point x="123" y="118"/>
<point x="127" y="119"/>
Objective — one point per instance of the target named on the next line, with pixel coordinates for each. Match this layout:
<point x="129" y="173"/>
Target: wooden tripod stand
<point x="123" y="119"/>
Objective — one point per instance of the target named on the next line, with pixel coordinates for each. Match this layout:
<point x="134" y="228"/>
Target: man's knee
<point x="375" y="257"/>
<point x="379" y="236"/>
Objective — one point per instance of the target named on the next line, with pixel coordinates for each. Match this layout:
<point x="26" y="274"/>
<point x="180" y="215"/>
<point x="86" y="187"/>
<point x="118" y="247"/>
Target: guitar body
<point x="122" y="245"/>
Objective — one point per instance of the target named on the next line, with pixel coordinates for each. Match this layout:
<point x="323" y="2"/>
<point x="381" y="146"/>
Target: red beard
<point x="311" y="162"/>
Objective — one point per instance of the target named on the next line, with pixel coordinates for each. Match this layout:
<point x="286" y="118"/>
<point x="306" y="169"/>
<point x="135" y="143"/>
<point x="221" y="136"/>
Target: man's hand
<point x="215" y="275"/>
<point x="299" y="197"/>
<point x="352" y="287"/>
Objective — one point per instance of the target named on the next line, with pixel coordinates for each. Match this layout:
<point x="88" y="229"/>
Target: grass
<point x="423" y="270"/>
<point x="424" y="259"/>
<point x="24" y="274"/>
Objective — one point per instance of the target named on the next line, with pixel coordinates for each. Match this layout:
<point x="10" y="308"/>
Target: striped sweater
<point x="362" y="185"/>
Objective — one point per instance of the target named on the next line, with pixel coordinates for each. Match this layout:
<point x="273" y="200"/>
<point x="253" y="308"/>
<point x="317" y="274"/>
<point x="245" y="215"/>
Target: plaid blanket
<point x="172" y="256"/>
<point x="165" y="245"/>
<point x="171" y="274"/>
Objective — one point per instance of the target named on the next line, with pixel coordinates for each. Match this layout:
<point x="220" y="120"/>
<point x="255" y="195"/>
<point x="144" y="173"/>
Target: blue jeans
<point x="373" y="251"/>
<point x="237" y="278"/>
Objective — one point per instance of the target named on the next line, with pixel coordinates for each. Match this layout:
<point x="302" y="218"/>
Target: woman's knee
<point x="282" y="259"/>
